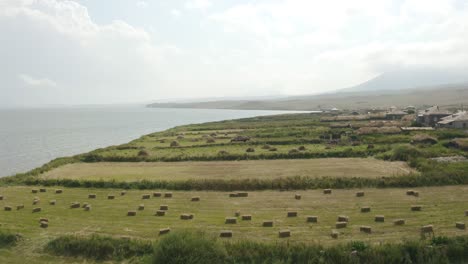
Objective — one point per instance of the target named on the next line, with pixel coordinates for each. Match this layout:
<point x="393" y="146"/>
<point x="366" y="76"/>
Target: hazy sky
<point x="109" y="51"/>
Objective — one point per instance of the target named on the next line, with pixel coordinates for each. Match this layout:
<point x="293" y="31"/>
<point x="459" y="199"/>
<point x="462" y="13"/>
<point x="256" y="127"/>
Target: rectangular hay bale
<point x="246" y="218"/>
<point x="52" y="202"/>
<point x="164" y="207"/>
<point x="36" y="210"/>
<point x="164" y="231"/>
<point x="343" y="218"/>
<point x="58" y="191"/>
<point x="195" y="199"/>
<point x="131" y="213"/>
<point x="75" y="205"/>
<point x="399" y="222"/>
<point x="168" y="195"/>
<point x="110" y="197"/>
<point x="157" y="194"/>
<point x="292" y="214"/>
<point x="42" y="190"/>
<point x="334" y="234"/>
<point x="284" y="233"/>
<point x="225" y="233"/>
<point x="365" y="209"/>
<point x="327" y="191"/>
<point x="416" y="208"/>
<point x="379" y="218"/>
<point x="92" y="196"/>
<point x="365" y="229"/>
<point x="233" y="195"/>
<point x="19" y="207"/>
<point x="360" y="194"/>
<point x="7" y="208"/>
<point x="311" y="219"/>
<point x="341" y="224"/>
<point x="460" y="225"/>
<point x="186" y="216"/>
<point x="242" y="194"/>
<point x="160" y="213"/>
<point x="297" y="196"/>
<point x="230" y="220"/>
<point x="34" y="190"/>
<point x="267" y="223"/>
<point x="145" y="196"/>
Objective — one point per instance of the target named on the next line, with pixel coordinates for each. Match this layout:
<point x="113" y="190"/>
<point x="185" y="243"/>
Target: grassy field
<point x="442" y="207"/>
<point x="227" y="170"/>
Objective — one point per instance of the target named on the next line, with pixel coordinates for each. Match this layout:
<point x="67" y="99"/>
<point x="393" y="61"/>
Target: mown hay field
<point x="227" y="170"/>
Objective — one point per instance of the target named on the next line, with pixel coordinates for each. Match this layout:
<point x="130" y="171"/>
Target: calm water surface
<point x="32" y="137"/>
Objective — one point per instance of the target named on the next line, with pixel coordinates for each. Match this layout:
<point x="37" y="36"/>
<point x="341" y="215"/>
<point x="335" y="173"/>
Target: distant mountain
<point x="410" y="79"/>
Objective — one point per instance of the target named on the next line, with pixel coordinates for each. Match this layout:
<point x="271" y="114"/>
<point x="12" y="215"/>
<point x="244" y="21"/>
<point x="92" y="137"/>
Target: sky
<point x="121" y="51"/>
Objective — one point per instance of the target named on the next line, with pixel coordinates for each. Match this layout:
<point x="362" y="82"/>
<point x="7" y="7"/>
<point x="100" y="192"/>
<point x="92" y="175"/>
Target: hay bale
<point x="399" y="222"/>
<point x="110" y="197"/>
<point x="36" y="210"/>
<point x="44" y="224"/>
<point x="284" y="233"/>
<point x="91" y="196"/>
<point x="416" y="194"/>
<point x="141" y="207"/>
<point x="145" y="196"/>
<point x="230" y="220"/>
<point x="466" y="213"/>
<point x="186" y="216"/>
<point x="164" y="207"/>
<point x="164" y="231"/>
<point x="233" y="195"/>
<point x="36" y="201"/>
<point x="19" y="207"/>
<point x="379" y="218"/>
<point x="87" y="207"/>
<point x="52" y="202"/>
<point x="365" y="209"/>
<point x="365" y="229"/>
<point x="311" y="219"/>
<point x="327" y="191"/>
<point x="160" y="213"/>
<point x="75" y="205"/>
<point x="168" y="195"/>
<point x="292" y="214"/>
<point x="225" y="233"/>
<point x="122" y="193"/>
<point x="410" y="192"/>
<point x="360" y="194"/>
<point x="267" y="223"/>
<point x="84" y="205"/>
<point x="58" y="191"/>
<point x="427" y="229"/>
<point x="131" y="213"/>
<point x="42" y="190"/>
<point x="460" y="225"/>
<point x="1" y="197"/>
<point x="42" y="219"/>
<point x="334" y="234"/>
<point x="7" y="208"/>
<point x="246" y="218"/>
<point x="343" y="218"/>
<point x="341" y="224"/>
<point x="297" y="196"/>
<point x="195" y="199"/>
<point x="242" y="194"/>
<point x="157" y="194"/>
<point x="237" y="213"/>
<point x="34" y="190"/>
<point x="416" y="208"/>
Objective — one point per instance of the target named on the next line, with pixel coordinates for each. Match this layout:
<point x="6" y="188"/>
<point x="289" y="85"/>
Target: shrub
<point x="250" y="150"/>
<point x="190" y="248"/>
<point x="405" y="153"/>
<point x="143" y="153"/>
<point x="7" y="239"/>
<point x="174" y="144"/>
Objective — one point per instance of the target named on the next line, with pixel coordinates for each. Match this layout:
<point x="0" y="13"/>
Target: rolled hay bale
<point x="145" y="196"/>
<point x="416" y="208"/>
<point x="360" y="194"/>
<point x="84" y="205"/>
<point x="75" y="205"/>
<point x="250" y="150"/>
<point x="460" y="225"/>
<point x="91" y="196"/>
<point x="157" y="194"/>
<point x="365" y="209"/>
<point x="292" y="214"/>
<point x="237" y="213"/>
<point x="58" y="191"/>
<point x="44" y="224"/>
<point x="141" y="207"/>
<point x="341" y="224"/>
<point x="87" y="207"/>
<point x="297" y="196"/>
<point x="427" y="229"/>
<point x="164" y="207"/>
<point x="379" y="218"/>
<point x="19" y="207"/>
<point x="267" y="223"/>
<point x="284" y="233"/>
<point x="42" y="190"/>
<point x="186" y="216"/>
<point x="311" y="219"/>
<point x="225" y="233"/>
<point x="110" y="197"/>
<point x="34" y="191"/>
<point x="410" y="192"/>
<point x="334" y="234"/>
<point x="168" y="195"/>
<point x="343" y="218"/>
<point x="399" y="222"/>
<point x="246" y="218"/>
<point x="131" y="213"/>
<point x="365" y="229"/>
<point x="233" y="195"/>
<point x="7" y="208"/>
<point x="327" y="191"/>
<point x="242" y="194"/>
<point x="122" y="193"/>
<point x="160" y="213"/>
<point x="273" y="149"/>
<point x="230" y="220"/>
<point x="195" y="199"/>
<point x="164" y="231"/>
<point x="36" y="210"/>
<point x="52" y="202"/>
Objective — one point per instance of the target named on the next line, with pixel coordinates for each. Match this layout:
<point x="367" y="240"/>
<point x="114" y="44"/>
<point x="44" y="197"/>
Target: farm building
<point x="457" y="120"/>
<point x="431" y="116"/>
<point x="394" y="114"/>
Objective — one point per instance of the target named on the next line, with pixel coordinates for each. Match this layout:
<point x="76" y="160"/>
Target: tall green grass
<point x="7" y="239"/>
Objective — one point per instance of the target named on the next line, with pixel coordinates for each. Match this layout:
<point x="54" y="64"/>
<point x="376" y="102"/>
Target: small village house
<point x="457" y="120"/>
<point x="431" y="116"/>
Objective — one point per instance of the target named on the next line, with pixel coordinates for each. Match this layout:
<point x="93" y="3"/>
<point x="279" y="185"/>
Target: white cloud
<point x="41" y="82"/>
<point x="198" y="4"/>
<point x="142" y="4"/>
<point x="176" y="13"/>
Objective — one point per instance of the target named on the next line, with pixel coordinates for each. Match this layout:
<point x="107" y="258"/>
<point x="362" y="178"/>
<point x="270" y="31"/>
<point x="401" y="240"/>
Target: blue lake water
<point x="32" y="137"/>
